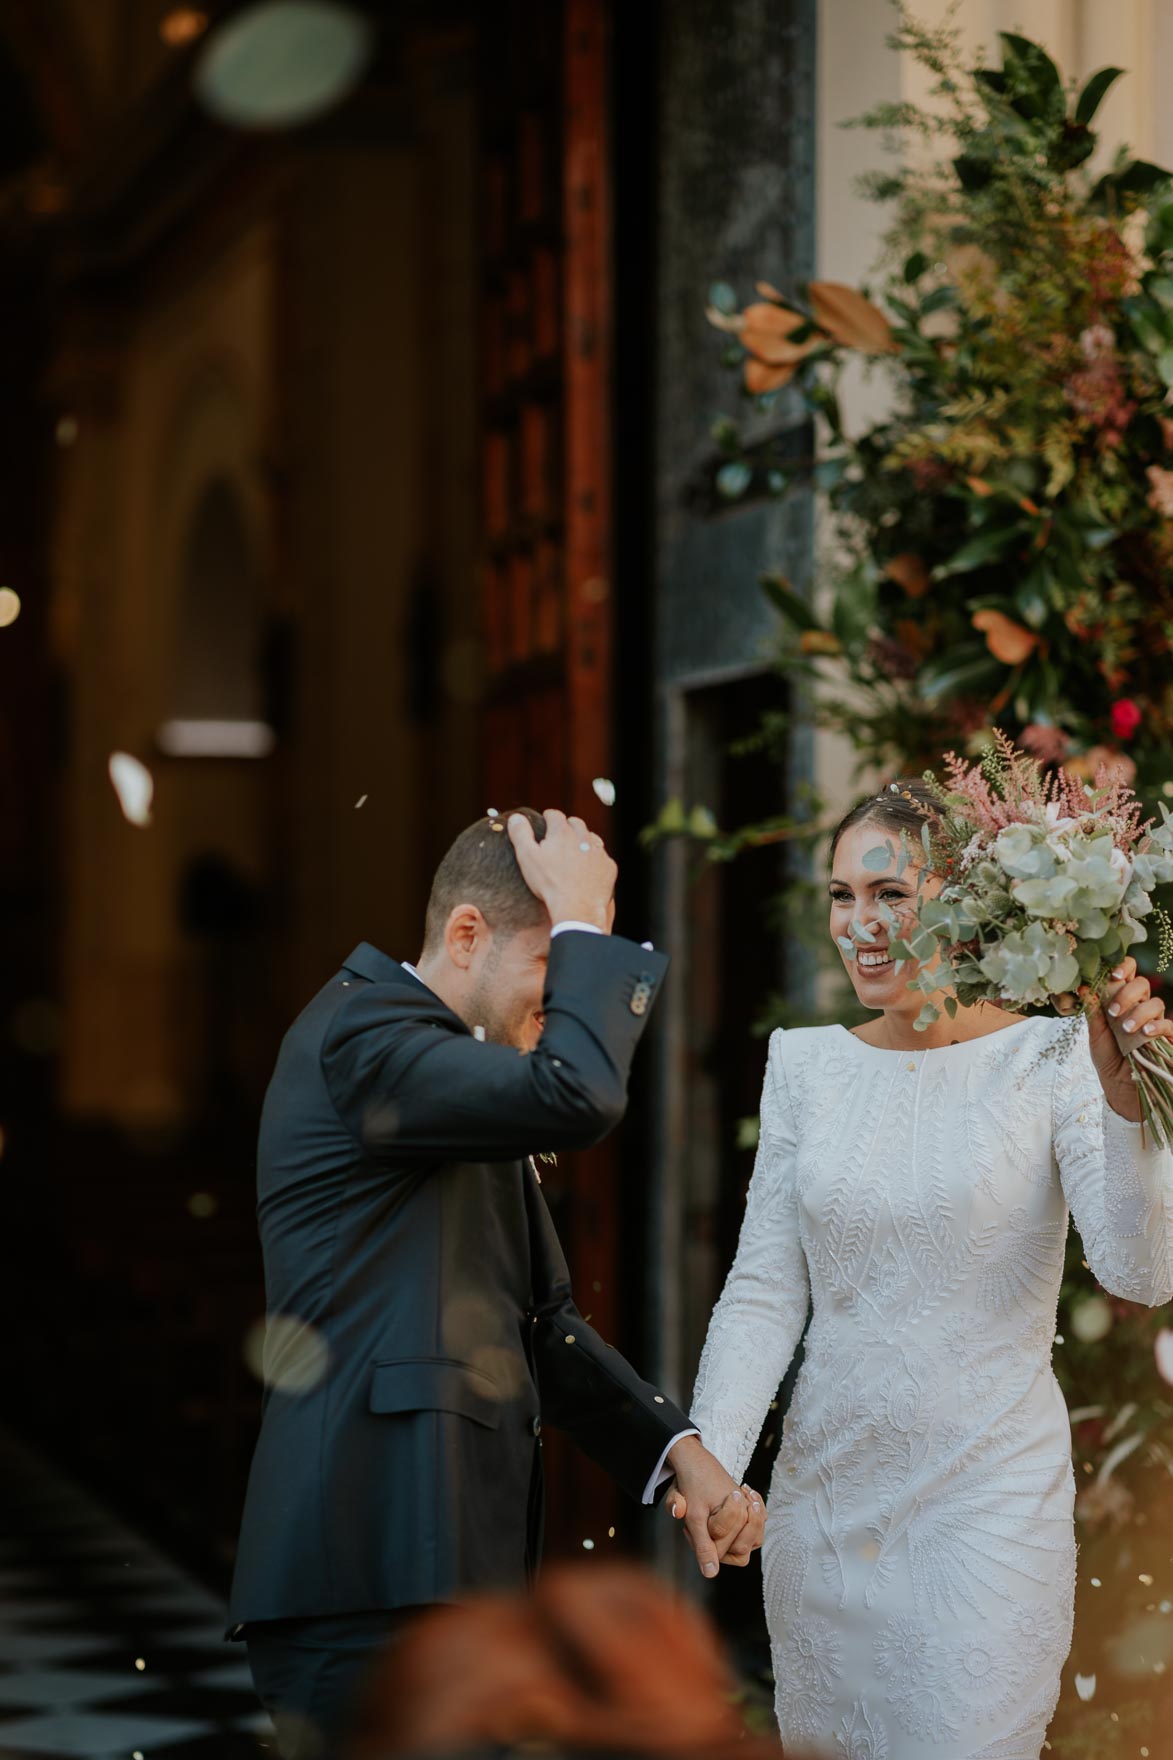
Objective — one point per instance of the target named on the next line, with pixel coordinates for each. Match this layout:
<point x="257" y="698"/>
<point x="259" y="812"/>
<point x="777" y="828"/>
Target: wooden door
<point x="546" y="497"/>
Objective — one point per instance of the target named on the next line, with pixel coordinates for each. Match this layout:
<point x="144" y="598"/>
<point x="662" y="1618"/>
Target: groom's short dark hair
<point x="481" y="868"/>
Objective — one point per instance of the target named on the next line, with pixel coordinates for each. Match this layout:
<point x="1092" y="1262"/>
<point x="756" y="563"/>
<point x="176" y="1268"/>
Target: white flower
<point x="1056" y="819"/>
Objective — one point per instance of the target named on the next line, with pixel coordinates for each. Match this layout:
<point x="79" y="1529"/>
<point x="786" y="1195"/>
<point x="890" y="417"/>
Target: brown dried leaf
<point x="766" y="331"/>
<point x="911" y="572"/>
<point x="760" y="378"/>
<point x="846" y="315"/>
<point x="1007" y="641"/>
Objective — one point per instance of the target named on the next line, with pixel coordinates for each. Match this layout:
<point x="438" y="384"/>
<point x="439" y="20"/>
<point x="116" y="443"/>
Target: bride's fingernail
<point x="1151" y="1026"/>
<point x="1113" y="1008"/>
<point x="675" y="1507"/>
<point x="1119" y="972"/>
<point x="1130" y="1026"/>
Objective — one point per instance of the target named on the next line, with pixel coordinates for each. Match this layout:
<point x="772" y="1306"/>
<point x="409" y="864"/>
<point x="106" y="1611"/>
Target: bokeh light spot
<point x="182" y="25"/>
<point x="280" y="63"/>
<point x="287" y="1354"/>
<point x="201" y="1205"/>
<point x="9" y="607"/>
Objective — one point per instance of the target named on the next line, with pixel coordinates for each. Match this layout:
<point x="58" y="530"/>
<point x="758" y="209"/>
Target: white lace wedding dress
<point x="919" y="1560"/>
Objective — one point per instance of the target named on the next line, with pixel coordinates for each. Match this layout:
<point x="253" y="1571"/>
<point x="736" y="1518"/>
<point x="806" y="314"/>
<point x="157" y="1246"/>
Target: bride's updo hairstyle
<point x="899" y="806"/>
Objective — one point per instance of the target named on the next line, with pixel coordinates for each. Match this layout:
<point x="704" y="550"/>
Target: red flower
<point x="1126" y="718"/>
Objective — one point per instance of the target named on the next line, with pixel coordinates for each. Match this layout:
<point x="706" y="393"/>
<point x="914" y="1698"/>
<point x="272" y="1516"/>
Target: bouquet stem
<point x="1152" y="1071"/>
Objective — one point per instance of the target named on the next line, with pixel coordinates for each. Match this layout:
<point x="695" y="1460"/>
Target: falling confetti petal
<point x="134" y="785"/>
<point x="1085" y="1685"/>
<point x="9" y="607"/>
<point x="588" y="1546"/>
<point x="605" y="790"/>
<point x="360" y="802"/>
<point x="139" y="1663"/>
<point x="1163" y="1351"/>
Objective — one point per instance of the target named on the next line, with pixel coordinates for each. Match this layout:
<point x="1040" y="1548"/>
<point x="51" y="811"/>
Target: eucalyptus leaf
<point x="733" y="479"/>
<point x="879" y="858"/>
<point x="861" y="931"/>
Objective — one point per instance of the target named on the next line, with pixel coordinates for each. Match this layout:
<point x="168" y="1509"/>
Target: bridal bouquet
<point x="1046" y="882"/>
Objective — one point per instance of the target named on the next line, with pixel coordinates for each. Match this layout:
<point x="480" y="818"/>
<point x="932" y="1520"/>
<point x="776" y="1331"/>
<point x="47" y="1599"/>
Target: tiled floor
<point x="107" y="1650"/>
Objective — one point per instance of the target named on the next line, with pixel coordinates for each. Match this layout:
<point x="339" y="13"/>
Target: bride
<point x="914" y="1189"/>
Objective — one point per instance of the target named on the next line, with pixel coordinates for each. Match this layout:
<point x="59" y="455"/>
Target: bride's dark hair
<point x="900" y="806"/>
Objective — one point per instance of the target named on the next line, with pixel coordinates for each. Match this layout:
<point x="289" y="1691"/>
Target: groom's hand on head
<point x="569" y="870"/>
<point x="723" y="1522"/>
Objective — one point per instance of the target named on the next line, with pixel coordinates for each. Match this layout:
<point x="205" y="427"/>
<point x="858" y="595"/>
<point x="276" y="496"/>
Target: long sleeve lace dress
<point x="919" y="1559"/>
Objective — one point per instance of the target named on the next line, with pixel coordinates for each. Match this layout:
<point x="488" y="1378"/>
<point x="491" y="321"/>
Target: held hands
<point x="1126" y="1018"/>
<point x="723" y="1523"/>
<point x="569" y="870"/>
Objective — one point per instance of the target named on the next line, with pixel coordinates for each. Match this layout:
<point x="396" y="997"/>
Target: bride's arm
<point x="1119" y="1189"/>
<point x="759" y="1318"/>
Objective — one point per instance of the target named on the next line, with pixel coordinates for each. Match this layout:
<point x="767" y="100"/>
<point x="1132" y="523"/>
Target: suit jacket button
<point x="537" y="1426"/>
<point x="640" y="997"/>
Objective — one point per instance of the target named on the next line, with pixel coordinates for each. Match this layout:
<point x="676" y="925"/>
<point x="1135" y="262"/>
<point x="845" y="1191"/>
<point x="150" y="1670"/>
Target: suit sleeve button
<point x="537" y="1426"/>
<point x="659" y="1398"/>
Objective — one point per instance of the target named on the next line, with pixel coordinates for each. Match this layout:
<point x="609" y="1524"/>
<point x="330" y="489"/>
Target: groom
<point x="421" y="1320"/>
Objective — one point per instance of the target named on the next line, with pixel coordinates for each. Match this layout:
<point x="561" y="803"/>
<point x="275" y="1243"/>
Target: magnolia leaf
<point x="761" y="379"/>
<point x="1010" y="642"/>
<point x="911" y="572"/>
<point x="851" y="319"/>
<point x="1095" y="91"/>
<point x="784" y="599"/>
<point x="766" y="331"/>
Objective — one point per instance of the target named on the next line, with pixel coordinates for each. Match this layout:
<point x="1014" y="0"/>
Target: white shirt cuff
<point x="663" y="1472"/>
<point x="587" y="928"/>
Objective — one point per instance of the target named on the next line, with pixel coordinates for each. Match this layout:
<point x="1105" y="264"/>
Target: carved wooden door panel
<point x="546" y="500"/>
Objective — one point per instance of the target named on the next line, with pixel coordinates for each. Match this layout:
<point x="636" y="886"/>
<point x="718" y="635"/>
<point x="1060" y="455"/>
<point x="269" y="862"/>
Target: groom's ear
<point x="465" y="934"/>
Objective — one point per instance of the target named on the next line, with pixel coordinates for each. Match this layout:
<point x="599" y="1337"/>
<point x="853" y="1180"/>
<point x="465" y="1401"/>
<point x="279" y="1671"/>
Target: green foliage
<point x="1006" y="531"/>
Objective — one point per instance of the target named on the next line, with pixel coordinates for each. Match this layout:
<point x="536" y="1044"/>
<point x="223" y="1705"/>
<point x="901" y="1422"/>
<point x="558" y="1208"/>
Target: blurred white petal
<point x="605" y="789"/>
<point x="134" y="785"/>
<point x="1085" y="1685"/>
<point x="1163" y="1351"/>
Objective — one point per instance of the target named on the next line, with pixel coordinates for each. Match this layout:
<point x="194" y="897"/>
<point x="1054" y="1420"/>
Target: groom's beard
<point x="505" y="1023"/>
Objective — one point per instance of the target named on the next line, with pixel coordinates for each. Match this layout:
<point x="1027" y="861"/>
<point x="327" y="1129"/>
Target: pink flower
<point x="1095" y="341"/>
<point x="1050" y="745"/>
<point x="1160" y="496"/>
<point x="1126" y="718"/>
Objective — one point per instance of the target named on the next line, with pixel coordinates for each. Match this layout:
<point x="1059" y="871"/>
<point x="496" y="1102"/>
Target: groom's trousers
<point x="310" y="1675"/>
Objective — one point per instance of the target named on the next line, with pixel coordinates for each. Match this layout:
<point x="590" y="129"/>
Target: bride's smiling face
<point x="857" y="893"/>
